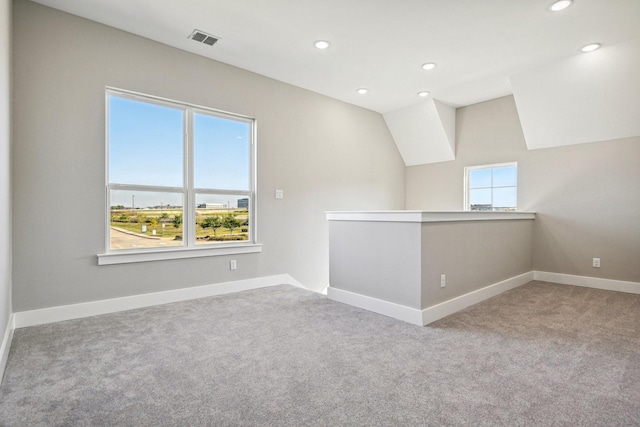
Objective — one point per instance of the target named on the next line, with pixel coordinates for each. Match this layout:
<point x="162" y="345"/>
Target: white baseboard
<point x="397" y="311"/>
<point x="6" y="345"/>
<point x="93" y="308"/>
<point x="588" y="282"/>
<point x="430" y="314"/>
<point x="404" y="313"/>
<point x="438" y="311"/>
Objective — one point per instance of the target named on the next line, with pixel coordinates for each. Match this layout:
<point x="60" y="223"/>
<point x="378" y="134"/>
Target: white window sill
<point x="125" y="257"/>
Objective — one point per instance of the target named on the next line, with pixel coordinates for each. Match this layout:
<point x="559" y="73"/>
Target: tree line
<point x="228" y="221"/>
<point x="214" y="222"/>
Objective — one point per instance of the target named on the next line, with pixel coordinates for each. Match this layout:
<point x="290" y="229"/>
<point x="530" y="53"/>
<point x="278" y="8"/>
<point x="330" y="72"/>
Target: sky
<point x="483" y="183"/>
<point x="146" y="148"/>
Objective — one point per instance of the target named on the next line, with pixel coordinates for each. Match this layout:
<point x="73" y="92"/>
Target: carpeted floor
<point x="541" y="354"/>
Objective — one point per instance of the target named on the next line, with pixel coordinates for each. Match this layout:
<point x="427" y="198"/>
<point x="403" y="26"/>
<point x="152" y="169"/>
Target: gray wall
<point x="5" y="165"/>
<point x="377" y="259"/>
<point x="586" y="196"/>
<point x="401" y="262"/>
<point x="472" y="255"/>
<point x="324" y="154"/>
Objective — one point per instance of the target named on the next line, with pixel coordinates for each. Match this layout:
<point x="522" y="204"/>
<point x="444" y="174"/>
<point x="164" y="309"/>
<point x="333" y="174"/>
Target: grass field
<point x="153" y="219"/>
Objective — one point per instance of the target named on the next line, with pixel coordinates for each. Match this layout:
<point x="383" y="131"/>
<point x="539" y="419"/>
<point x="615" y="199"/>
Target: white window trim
<point x="189" y="250"/>
<point x="467" y="171"/>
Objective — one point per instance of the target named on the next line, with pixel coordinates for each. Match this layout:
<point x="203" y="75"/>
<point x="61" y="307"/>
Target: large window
<point x="179" y="176"/>
<point x="491" y="187"/>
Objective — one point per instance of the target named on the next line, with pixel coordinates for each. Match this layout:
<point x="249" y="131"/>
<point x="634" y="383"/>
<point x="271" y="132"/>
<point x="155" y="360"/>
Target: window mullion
<point x="190" y="202"/>
<point x="252" y="183"/>
<point x="107" y="195"/>
<point x="216" y="191"/>
<point x="492" y="188"/>
<point x="133" y="187"/>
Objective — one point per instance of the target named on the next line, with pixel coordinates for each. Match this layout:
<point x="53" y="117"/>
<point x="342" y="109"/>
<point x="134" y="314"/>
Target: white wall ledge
<point x="427" y="216"/>
<point x="129" y="256"/>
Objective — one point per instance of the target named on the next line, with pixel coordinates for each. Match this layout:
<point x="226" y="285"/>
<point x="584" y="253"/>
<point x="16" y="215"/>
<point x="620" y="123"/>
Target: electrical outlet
<point x="443" y="281"/>
<point x="596" y="262"/>
<point x="279" y="194"/>
<point x="232" y="264"/>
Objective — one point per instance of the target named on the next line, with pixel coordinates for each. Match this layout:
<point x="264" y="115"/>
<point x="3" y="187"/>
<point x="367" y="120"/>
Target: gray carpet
<point x="541" y="354"/>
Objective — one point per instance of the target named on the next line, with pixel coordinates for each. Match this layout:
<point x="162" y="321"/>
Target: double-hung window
<point x="491" y="187"/>
<point x="180" y="180"/>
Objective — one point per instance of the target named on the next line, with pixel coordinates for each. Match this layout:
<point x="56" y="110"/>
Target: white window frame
<point x="189" y="249"/>
<point x="467" y="173"/>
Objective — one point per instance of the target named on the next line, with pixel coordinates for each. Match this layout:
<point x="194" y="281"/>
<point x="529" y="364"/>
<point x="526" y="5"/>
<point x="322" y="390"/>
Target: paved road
<point x="121" y="240"/>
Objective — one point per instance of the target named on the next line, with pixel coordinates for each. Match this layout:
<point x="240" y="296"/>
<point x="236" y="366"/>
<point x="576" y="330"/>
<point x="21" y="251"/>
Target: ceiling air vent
<point x="205" y="38"/>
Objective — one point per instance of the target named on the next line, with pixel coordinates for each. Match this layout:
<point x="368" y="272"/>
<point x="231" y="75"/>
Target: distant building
<point x="243" y="203"/>
<point x="492" y="208"/>
<point x="212" y="206"/>
<point x="480" y="207"/>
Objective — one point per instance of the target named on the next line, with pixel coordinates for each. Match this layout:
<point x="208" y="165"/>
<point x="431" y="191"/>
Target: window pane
<point x="505" y="177"/>
<point x="505" y="198"/>
<point x="480" y="200"/>
<point x="221" y="218"/>
<point x="479" y="178"/>
<point x="145" y="143"/>
<point x="222" y="156"/>
<point x="145" y="219"/>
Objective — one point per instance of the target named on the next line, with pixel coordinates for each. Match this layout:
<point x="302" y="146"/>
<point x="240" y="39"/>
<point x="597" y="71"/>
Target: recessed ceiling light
<point x="362" y="90"/>
<point x="560" y="5"/>
<point x="429" y="66"/>
<point x="423" y="94"/>
<point x="590" y="47"/>
<point x="321" y="44"/>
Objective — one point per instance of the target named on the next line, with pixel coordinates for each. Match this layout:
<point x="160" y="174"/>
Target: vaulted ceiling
<point x="483" y="49"/>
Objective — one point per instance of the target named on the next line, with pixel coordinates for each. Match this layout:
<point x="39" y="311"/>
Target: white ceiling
<point x="585" y="98"/>
<point x="377" y="44"/>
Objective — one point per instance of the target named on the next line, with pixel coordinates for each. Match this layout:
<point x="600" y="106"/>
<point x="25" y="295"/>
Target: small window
<point x="491" y="187"/>
<point x="178" y="176"/>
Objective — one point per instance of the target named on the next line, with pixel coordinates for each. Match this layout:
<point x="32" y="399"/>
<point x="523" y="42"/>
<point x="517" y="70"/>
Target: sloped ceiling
<point x="483" y="49"/>
<point x="585" y="98"/>
<point x="424" y="133"/>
